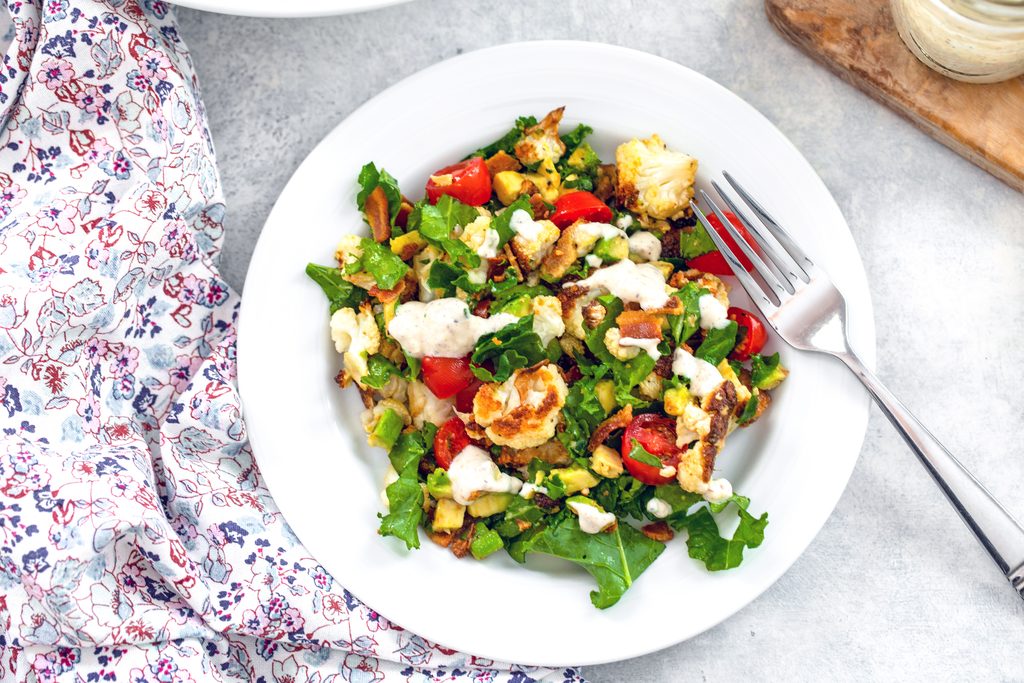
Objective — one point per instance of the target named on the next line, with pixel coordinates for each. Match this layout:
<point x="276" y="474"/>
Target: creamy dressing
<point x="443" y="327"/>
<point x="667" y="471"/>
<point x="489" y="248"/>
<point x="624" y="221"/>
<point x="473" y="471"/>
<point x="530" y="489"/>
<point x="592" y="520"/>
<point x="645" y="245"/>
<point x="524" y="226"/>
<point x="717" y="491"/>
<point x="659" y="508"/>
<point x="648" y="345"/>
<point x="597" y="231"/>
<point x="704" y="377"/>
<point x="593" y="261"/>
<point x="713" y="315"/>
<point x="643" y="284"/>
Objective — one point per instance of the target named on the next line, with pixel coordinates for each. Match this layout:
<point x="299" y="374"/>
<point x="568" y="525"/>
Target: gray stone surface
<point x="894" y="587"/>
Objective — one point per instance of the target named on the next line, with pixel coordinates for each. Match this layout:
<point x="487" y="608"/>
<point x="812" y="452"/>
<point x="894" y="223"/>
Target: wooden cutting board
<point x="858" y="40"/>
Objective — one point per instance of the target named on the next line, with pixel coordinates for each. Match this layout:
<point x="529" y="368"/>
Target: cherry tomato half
<point x="464" y="399"/>
<point x="446" y="376"/>
<point x="468" y="181"/>
<point x="752" y="335"/>
<point x="574" y="206"/>
<point x="657" y="434"/>
<point x="713" y="262"/>
<point x="449" y="441"/>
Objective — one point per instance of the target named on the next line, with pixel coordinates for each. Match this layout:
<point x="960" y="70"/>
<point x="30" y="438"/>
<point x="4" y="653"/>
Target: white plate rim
<point x="863" y="332"/>
<point x="296" y="9"/>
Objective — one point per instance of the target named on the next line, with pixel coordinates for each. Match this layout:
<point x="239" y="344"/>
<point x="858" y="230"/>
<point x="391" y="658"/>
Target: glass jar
<point x="979" y="41"/>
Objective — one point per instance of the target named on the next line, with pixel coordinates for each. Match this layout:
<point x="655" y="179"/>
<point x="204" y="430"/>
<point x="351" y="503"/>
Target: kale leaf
<point x="694" y="241"/>
<point x="405" y="496"/>
<point x="340" y="292"/>
<point x="507" y="142"/>
<point x="705" y="542"/>
<point x="582" y="413"/>
<point x="436" y="222"/>
<point x="685" y="325"/>
<point x="502" y="222"/>
<point x="717" y="343"/>
<point x="615" y="558"/>
<point x="380" y="262"/>
<point x="512" y="347"/>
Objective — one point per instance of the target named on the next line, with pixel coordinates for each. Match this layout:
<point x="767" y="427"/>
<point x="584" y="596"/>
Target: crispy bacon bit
<point x="663" y="367"/>
<point x="342" y="379"/>
<point x="567" y="297"/>
<point x="402" y="219"/>
<point x="513" y="262"/>
<point x="463" y="538"/>
<point x="551" y="452"/>
<point x="593" y="314"/>
<point x="442" y="538"/>
<point x="607" y="179"/>
<point x="376" y="210"/>
<point x="502" y="161"/>
<point x="395" y="293"/>
<point x="670" y="242"/>
<point x="544" y="502"/>
<point x="639" y="325"/>
<point x="764" y="399"/>
<point x="541" y="210"/>
<point x="366" y="395"/>
<point x="658" y="531"/>
<point x="619" y="420"/>
<point x="674" y="306"/>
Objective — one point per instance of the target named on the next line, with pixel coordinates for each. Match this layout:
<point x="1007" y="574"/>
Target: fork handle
<point x="995" y="528"/>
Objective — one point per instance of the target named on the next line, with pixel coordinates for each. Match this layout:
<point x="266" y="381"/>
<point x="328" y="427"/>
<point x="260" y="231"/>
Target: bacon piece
<point x="502" y="161"/>
<point x="639" y="325"/>
<point x="619" y="420"/>
<point x="658" y="531"/>
<point x="377" y="215"/>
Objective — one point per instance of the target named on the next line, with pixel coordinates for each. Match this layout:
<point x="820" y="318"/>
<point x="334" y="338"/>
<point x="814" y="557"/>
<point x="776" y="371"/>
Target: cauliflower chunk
<point x="348" y="250"/>
<point x="611" y="342"/>
<point x="522" y="411"/>
<point x="425" y="407"/>
<point x="481" y="238"/>
<point x="355" y="336"/>
<point x="533" y="239"/>
<point x="547" y="318"/>
<point x="653" y="180"/>
<point x="421" y="268"/>
<point x="542" y="142"/>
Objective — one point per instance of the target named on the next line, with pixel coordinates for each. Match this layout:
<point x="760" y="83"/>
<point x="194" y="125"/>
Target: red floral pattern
<point x="137" y="540"/>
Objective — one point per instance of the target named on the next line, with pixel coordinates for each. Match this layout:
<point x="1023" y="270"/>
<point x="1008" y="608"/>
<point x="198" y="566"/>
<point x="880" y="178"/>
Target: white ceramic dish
<point x="306" y="432"/>
<point x="291" y="8"/>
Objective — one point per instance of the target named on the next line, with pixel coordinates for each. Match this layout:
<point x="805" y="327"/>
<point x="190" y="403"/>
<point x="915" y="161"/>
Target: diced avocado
<point x="665" y="267"/>
<point x="485" y="541"/>
<point x="439" y="485"/>
<point x="606" y="462"/>
<point x="575" y="478"/>
<point x="605" y="390"/>
<point x="583" y="500"/>
<point x="612" y="249"/>
<point x="547" y="180"/>
<point x="584" y="158"/>
<point x="490" y="504"/>
<point x="408" y="244"/>
<point x="449" y="515"/>
<point x="520" y="306"/>
<point x="520" y="516"/>
<point x="767" y="372"/>
<point x="675" y="400"/>
<point x="385" y="432"/>
<point x="508" y="185"/>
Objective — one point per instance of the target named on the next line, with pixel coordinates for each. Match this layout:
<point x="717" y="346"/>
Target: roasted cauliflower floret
<point x="533" y="239"/>
<point x="711" y="425"/>
<point x="541" y="141"/>
<point x="547" y="318"/>
<point x="653" y="180"/>
<point x="522" y="411"/>
<point x="425" y="407"/>
<point x="371" y="416"/>
<point x="355" y="336"/>
<point x="481" y="237"/>
<point x="348" y="250"/>
<point x="611" y="342"/>
<point x="421" y="264"/>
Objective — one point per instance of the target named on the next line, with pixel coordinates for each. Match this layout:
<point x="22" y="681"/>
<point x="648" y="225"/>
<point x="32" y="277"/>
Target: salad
<point x="545" y="347"/>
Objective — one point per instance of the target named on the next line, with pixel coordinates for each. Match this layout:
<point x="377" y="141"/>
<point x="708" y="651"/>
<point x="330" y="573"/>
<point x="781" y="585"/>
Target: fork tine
<point x="765" y="267"/>
<point x="754" y="290"/>
<point x="789" y="246"/>
<point x="775" y="262"/>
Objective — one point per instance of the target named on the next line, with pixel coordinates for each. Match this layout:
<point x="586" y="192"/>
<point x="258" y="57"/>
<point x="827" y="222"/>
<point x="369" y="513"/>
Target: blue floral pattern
<point x="137" y="539"/>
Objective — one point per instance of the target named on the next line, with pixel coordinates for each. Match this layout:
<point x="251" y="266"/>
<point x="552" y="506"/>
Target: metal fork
<point x="803" y="306"/>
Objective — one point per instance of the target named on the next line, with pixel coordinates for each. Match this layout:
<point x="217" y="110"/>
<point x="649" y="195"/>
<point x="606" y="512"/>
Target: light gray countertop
<point x="894" y="586"/>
